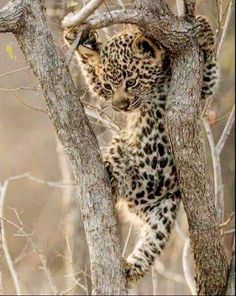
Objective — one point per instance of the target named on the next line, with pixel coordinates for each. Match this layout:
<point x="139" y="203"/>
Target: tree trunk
<point x="184" y="129"/>
<point x="26" y="20"/>
<point x="182" y="122"/>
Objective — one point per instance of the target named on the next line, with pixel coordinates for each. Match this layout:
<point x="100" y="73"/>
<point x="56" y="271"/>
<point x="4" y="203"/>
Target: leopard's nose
<point x="121" y="104"/>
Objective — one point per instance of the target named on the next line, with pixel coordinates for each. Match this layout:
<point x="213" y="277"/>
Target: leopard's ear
<point x="89" y="47"/>
<point x="145" y="48"/>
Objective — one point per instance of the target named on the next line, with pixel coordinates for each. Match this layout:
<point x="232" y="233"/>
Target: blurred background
<point x="43" y="229"/>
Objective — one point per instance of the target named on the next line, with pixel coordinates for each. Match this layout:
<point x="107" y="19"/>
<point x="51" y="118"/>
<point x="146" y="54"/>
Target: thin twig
<point x="127" y="240"/>
<point x="26" y="105"/>
<point x="229" y="231"/>
<point x="226" y="131"/>
<point x="71" y="50"/>
<point x="18" y="88"/>
<point x="69" y="289"/>
<point x="46" y="270"/>
<point x="218" y="184"/>
<point x="175" y="277"/>
<point x="230" y="290"/>
<point x="185" y="260"/>
<point x="179" y="7"/>
<point x="186" y="268"/>
<point x="40" y="181"/>
<point x="42" y="257"/>
<point x="100" y="115"/>
<point x="15" y="71"/>
<point x="14" y="275"/>
<point x="226" y="24"/>
<point x="154" y="281"/>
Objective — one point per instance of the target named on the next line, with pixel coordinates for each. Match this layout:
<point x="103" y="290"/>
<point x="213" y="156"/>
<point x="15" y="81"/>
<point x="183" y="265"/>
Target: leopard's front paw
<point x="113" y="180"/>
<point x="132" y="273"/>
<point x="204" y="33"/>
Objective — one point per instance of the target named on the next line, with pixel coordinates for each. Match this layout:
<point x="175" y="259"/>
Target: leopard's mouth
<point x="134" y="105"/>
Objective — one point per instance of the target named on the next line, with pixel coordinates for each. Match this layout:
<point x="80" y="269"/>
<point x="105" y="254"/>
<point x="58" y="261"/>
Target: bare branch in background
<point x="185" y="260"/>
<point x="179" y="7"/>
<point x="225" y="26"/>
<point x="127" y="240"/>
<point x="10" y="263"/>
<point x="41" y="181"/>
<point x="175" y="277"/>
<point x="226" y="132"/>
<point x="183" y="127"/>
<point x="186" y="268"/>
<point x="218" y="182"/>
<point x="215" y="153"/>
<point x="28" y="237"/>
<point x="231" y="279"/>
<point x="154" y="281"/>
<point x="67" y="201"/>
<point x="15" y="71"/>
<point x="71" y="50"/>
<point x="84" y="13"/>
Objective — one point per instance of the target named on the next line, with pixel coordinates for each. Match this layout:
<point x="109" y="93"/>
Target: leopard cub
<point x="134" y="73"/>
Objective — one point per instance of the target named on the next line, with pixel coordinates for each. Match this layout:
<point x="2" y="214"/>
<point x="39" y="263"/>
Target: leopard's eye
<point x="107" y="86"/>
<point x="130" y="82"/>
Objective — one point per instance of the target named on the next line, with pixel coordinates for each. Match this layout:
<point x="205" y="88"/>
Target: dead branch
<point x="10" y="263"/>
<point x="218" y="182"/>
<point x="231" y="278"/>
<point x="226" y="132"/>
<point x="83" y="14"/>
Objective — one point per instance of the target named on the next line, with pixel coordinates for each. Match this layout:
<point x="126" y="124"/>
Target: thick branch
<point x="10" y="17"/>
<point x="76" y="135"/>
<point x="104" y="20"/>
<point x="160" y="25"/>
<point x="184" y="130"/>
<point x="182" y="123"/>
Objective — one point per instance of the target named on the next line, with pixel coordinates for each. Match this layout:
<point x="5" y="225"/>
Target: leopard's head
<point x="126" y="68"/>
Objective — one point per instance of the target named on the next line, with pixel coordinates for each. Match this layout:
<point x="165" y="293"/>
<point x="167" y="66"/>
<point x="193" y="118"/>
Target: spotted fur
<point x="134" y="73"/>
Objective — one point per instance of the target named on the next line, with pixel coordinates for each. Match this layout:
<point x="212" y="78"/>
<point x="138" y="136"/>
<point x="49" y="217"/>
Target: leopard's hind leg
<point x="159" y="220"/>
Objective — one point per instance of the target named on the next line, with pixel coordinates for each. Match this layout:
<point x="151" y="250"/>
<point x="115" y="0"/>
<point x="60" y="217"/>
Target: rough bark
<point x="182" y="122"/>
<point x="231" y="280"/>
<point x="26" y="19"/>
<point x="185" y="133"/>
<point x="186" y="137"/>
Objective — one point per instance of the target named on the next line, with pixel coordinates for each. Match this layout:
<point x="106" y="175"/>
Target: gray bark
<point x="231" y="280"/>
<point x="26" y="20"/>
<point x="185" y="133"/>
<point x="182" y="123"/>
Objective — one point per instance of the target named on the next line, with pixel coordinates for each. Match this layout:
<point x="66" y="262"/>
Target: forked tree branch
<point x="185" y="132"/>
<point x="26" y="19"/>
<point x="182" y="123"/>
